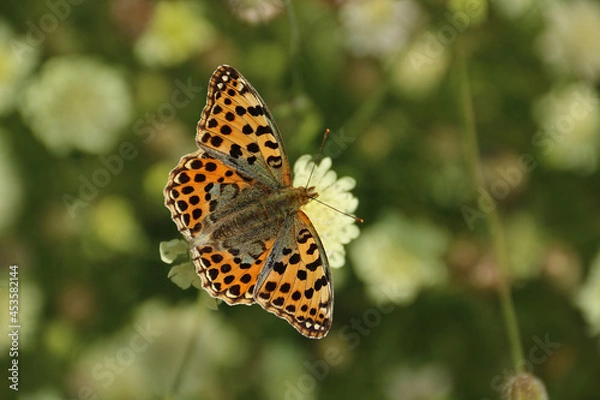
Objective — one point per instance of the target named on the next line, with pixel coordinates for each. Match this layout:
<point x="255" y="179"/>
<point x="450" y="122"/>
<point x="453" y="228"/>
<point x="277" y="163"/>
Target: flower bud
<point x="525" y="387"/>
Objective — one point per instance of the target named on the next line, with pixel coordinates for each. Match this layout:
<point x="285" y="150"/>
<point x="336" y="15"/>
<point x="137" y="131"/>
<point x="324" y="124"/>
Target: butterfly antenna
<point x="354" y="217"/>
<point x="318" y="157"/>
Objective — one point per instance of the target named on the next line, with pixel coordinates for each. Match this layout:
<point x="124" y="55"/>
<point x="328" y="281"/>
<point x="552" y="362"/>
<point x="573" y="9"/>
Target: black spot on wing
<point x="275" y="161"/>
<point x="263" y="130"/>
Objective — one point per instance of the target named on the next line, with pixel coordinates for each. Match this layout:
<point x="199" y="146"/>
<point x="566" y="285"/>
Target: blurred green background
<point x="92" y="120"/>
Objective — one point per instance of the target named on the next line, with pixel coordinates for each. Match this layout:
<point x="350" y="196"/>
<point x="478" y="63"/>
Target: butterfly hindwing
<point x="237" y="126"/>
<point x="230" y="274"/>
<point x="196" y="188"/>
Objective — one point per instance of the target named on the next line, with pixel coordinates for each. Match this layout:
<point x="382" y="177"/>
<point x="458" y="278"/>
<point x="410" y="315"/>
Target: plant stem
<point x="494" y="221"/>
<point x="188" y="351"/>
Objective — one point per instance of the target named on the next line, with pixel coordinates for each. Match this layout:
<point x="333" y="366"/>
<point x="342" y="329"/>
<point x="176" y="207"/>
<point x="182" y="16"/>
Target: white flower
<point x="174" y="34"/>
<point x="570" y="42"/>
<point x="570" y="122"/>
<point x="17" y="59"/>
<point x="256" y="11"/>
<point x="334" y="228"/>
<point x="77" y="103"/>
<point x="524" y="386"/>
<point x="427" y="382"/>
<point x="422" y="68"/>
<point x="588" y="297"/>
<point x="172" y="250"/>
<point x="396" y="258"/>
<point x="378" y="27"/>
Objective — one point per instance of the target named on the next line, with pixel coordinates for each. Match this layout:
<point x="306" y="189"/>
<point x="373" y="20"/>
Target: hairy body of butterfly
<point x="253" y="214"/>
<point x="233" y="201"/>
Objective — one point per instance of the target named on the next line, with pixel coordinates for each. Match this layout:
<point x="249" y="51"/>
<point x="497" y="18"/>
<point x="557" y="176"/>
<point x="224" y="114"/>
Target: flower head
<point x="397" y="258"/>
<point x="175" y="32"/>
<point x="570" y="122"/>
<point x="256" y="11"/>
<point x="334" y="228"/>
<point x="427" y="382"/>
<point x="569" y="44"/>
<point x="525" y="386"/>
<point x="77" y="103"/>
<point x="421" y="70"/>
<point x="378" y="27"/>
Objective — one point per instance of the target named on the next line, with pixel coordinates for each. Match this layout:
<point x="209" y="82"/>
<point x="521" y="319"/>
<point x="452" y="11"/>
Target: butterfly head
<point x="308" y="193"/>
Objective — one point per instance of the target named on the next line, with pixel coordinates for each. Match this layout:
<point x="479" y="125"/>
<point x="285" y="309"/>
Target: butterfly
<point x="234" y="203"/>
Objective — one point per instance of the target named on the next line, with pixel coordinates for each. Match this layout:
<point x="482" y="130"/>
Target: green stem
<point x="495" y="222"/>
<point x="295" y="40"/>
<point x="294" y="33"/>
<point x="188" y="351"/>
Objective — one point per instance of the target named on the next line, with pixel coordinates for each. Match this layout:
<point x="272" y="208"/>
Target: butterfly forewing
<point x="237" y="123"/>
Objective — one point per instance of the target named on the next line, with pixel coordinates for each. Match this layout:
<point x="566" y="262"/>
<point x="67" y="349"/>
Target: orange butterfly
<point x="234" y="202"/>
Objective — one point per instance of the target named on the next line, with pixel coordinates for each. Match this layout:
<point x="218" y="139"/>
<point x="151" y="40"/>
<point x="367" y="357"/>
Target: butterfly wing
<point x="201" y="191"/>
<point x="238" y="128"/>
<point x="231" y="276"/>
<point x="296" y="282"/>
